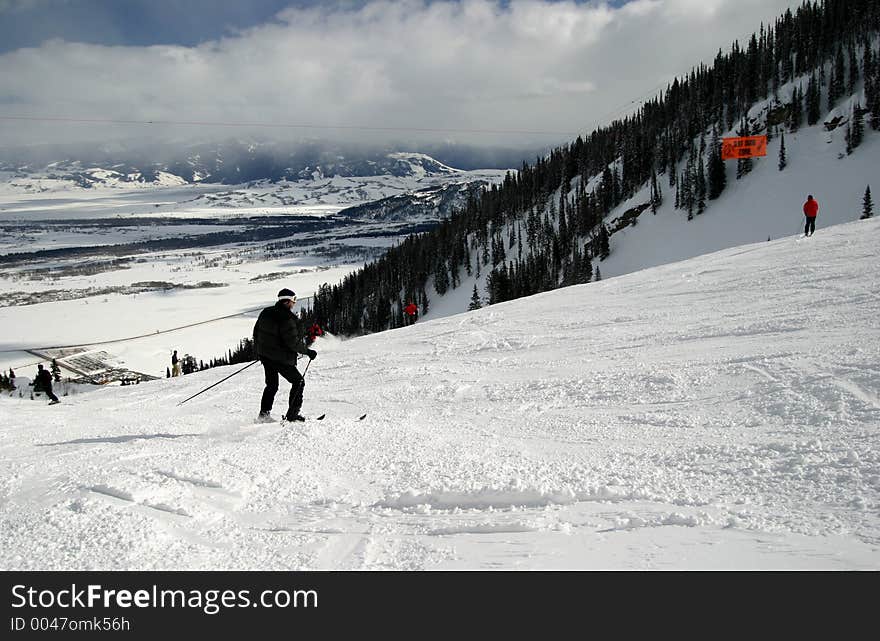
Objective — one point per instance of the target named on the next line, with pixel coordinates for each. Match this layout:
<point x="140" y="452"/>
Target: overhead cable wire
<point x="132" y="338"/>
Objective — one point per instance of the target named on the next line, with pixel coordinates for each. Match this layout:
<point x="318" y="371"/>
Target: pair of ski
<point x="321" y="417"/>
<point x="284" y="421"/>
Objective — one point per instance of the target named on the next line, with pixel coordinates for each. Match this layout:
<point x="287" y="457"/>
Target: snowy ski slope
<point x="721" y="412"/>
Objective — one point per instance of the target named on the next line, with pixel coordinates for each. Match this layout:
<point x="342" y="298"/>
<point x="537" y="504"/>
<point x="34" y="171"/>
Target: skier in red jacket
<point x="811" y="210"/>
<point x="315" y="331"/>
<point x="412" y="313"/>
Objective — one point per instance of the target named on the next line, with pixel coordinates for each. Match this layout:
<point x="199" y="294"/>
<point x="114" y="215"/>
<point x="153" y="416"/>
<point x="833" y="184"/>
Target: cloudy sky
<point x="517" y="72"/>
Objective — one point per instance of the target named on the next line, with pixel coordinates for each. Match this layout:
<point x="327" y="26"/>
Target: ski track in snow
<point x="714" y="413"/>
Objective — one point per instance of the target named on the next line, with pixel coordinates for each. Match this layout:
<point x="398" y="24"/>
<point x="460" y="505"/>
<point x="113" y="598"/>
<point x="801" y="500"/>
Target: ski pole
<point x="302" y="383"/>
<point x="217" y="383"/>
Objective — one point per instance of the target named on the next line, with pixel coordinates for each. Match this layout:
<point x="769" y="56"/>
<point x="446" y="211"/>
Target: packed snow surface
<point x="721" y="412"/>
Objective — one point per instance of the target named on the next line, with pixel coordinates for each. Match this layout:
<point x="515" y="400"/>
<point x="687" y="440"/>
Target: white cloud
<point x="474" y="64"/>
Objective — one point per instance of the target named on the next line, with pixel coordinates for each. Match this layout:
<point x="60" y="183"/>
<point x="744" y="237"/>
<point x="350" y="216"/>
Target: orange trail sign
<point x="744" y="147"/>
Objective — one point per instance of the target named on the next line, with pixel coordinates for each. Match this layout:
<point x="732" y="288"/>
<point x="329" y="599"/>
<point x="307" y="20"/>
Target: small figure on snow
<point x="315" y="331"/>
<point x="412" y="313"/>
<point x="278" y="339"/>
<point x="175" y="364"/>
<point x="44" y="378"/>
<point x="811" y="210"/>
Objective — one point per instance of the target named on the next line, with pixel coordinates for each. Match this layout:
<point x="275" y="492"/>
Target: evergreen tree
<point x="795" y="110"/>
<point x="717" y="170"/>
<point x="441" y="277"/>
<point x="659" y="196"/>
<point x="532" y="223"/>
<point x="783" y="161"/>
<point x="701" y="187"/>
<point x="56" y="371"/>
<point x="656" y="196"/>
<point x="853" y="79"/>
<point x="604" y="243"/>
<point x="688" y="186"/>
<point x="519" y="246"/>
<point x="678" y="196"/>
<point x="867" y="204"/>
<point x="858" y="126"/>
<point x="606" y="191"/>
<point x="475" y="300"/>
<point x="836" y="85"/>
<point x="498" y="253"/>
<point x="867" y="63"/>
<point x="598" y="276"/>
<point x="563" y="223"/>
<point x="813" y="100"/>
<point x="499" y="285"/>
<point x="455" y="279"/>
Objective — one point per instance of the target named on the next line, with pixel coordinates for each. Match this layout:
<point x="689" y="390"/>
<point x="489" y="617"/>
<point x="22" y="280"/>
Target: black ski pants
<point x="810" y="227"/>
<point x="50" y="393"/>
<point x="292" y="376"/>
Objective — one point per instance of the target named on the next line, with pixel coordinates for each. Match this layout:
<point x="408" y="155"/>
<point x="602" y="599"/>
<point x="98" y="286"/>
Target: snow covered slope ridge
<point x="721" y="412"/>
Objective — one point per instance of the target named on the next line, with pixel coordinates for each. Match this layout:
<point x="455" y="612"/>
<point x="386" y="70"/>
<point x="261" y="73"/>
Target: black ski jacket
<point x="44" y="380"/>
<point x="278" y="335"/>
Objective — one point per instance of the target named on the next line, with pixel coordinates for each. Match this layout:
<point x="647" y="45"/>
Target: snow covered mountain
<point x="720" y="412"/>
<point x="432" y="203"/>
<point x="428" y="195"/>
<point x="232" y="163"/>
<point x="397" y="187"/>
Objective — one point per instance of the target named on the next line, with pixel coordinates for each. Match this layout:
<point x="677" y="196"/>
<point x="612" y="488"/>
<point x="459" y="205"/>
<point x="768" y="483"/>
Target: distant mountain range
<point x="408" y="198"/>
<point x="241" y="161"/>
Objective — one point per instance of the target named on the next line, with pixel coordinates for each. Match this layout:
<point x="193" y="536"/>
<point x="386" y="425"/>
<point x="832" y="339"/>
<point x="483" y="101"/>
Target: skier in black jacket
<point x="44" y="378"/>
<point x="278" y="338"/>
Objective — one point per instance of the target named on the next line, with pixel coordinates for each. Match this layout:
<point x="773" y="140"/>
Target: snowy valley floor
<point x="718" y="413"/>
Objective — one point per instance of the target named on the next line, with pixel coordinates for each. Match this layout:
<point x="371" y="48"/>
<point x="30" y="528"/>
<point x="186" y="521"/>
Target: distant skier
<point x="175" y="364"/>
<point x="412" y="313"/>
<point x="278" y="338"/>
<point x="811" y="210"/>
<point x="315" y="331"/>
<point x="44" y="378"/>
